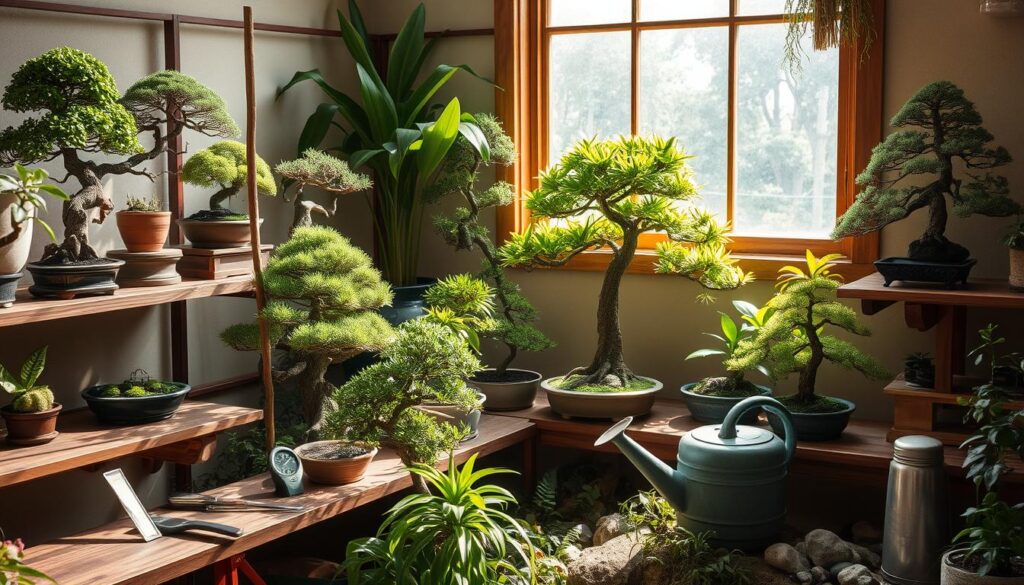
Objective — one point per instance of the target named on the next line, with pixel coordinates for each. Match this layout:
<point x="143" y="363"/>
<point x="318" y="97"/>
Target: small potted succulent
<point x="336" y="462"/>
<point x="143" y="224"/>
<point x="712" y="398"/>
<point x="138" y="400"/>
<point x="919" y="370"/>
<point x="222" y="165"/>
<point x="1015" y="242"/>
<point x="20" y="202"/>
<point x="31" y="416"/>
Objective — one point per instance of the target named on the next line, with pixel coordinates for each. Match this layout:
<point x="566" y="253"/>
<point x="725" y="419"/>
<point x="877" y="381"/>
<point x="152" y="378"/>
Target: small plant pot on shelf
<point x="157" y="268"/>
<point x="31" y="428"/>
<point x="601" y="405"/>
<point x="214" y="234"/>
<point x="457" y="415"/>
<point x="953" y="574"/>
<point x="516" y="390"/>
<point x="1016" y="270"/>
<point x="67" y="281"/>
<point x="335" y="462"/>
<point x="709" y="408"/>
<point x="8" y="289"/>
<point x="123" y="410"/>
<point x="816" y="426"/>
<point x="143" y="231"/>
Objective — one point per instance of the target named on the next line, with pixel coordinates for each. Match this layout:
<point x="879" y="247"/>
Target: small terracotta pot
<point x="954" y="575"/>
<point x="31" y="428"/>
<point x="143" y="231"/>
<point x="334" y="471"/>
<point x="1016" y="269"/>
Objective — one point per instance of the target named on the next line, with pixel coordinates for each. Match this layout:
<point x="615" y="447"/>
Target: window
<point x="775" y="154"/>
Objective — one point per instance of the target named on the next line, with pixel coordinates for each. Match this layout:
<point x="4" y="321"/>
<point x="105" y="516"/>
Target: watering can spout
<point x="670" y="483"/>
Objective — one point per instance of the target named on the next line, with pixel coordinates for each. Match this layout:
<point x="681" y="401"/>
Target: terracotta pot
<point x="31" y="428"/>
<point x="606" y="405"/>
<point x="216" y="234"/>
<point x="953" y="575"/>
<point x="1016" y="269"/>
<point x="13" y="256"/>
<point x="143" y="231"/>
<point x="334" y="471"/>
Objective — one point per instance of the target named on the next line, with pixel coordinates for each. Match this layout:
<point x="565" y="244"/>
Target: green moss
<point x="136" y="392"/>
<point x="726" y="387"/>
<point x="819" y="405"/>
<point x="110" y="391"/>
<point x="632" y="386"/>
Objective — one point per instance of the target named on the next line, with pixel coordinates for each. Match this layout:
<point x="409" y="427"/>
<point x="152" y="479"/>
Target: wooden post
<point x="254" y="226"/>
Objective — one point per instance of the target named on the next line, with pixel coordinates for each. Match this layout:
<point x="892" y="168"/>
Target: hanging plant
<point x="833" y="23"/>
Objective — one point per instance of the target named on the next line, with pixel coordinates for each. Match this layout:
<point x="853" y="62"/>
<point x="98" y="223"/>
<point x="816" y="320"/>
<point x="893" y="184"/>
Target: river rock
<point x="586" y="535"/>
<point x="608" y="564"/>
<point x="609" y="527"/>
<point x="785" y="558"/>
<point x="572" y="552"/>
<point x="820" y="574"/>
<point x="837" y="568"/>
<point x="825" y="548"/>
<point x="856" y="575"/>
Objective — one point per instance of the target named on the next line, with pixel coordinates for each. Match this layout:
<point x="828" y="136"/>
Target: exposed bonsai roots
<point x="602" y="374"/>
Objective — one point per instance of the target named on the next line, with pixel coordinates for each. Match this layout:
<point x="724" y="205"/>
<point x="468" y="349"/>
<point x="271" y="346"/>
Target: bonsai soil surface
<point x="726" y="387"/>
<point x="509" y="377"/>
<point x="334" y="451"/>
<point x="633" y="385"/>
<point x="58" y="261"/>
<point x="820" y="404"/>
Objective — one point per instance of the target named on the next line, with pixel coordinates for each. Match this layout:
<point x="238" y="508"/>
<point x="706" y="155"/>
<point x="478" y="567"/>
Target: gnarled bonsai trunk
<point x="75" y="215"/>
<point x="809" y="374"/>
<point x="316" y="392"/>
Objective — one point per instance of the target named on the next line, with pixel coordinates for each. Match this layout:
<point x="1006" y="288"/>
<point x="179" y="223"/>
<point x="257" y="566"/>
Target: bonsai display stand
<point x="148" y="268"/>
<point x="933" y="411"/>
<point x="216" y="263"/>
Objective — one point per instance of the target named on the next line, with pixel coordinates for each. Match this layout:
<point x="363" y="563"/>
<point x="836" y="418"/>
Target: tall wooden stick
<point x="254" y="226"/>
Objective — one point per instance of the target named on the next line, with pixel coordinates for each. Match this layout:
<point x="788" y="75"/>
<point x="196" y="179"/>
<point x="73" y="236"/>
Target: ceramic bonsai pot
<point x="954" y="575"/>
<point x="516" y="391"/>
<point x="14" y="255"/>
<point x="143" y="231"/>
<point x="457" y="415"/>
<point x="603" y="405"/>
<point x="67" y="281"/>
<point x="1016" y="270"/>
<point x="31" y="428"/>
<point x="216" y="233"/>
<point x="321" y="463"/>
<point x="712" y="409"/>
<point x="408" y="302"/>
<point x="127" y="411"/>
<point x="817" y="426"/>
<point x="950" y="275"/>
<point x="148" y="268"/>
<point x="8" y="288"/>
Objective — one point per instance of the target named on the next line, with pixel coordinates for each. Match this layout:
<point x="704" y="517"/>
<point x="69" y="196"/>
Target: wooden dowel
<point x="254" y="226"/>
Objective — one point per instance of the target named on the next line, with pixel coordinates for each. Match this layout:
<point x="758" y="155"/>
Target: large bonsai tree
<point x="940" y="136"/>
<point x="318" y="169"/>
<point x="224" y="165"/>
<point x="464" y="231"/>
<point x="607" y="193"/>
<point x="322" y="293"/>
<point x="82" y="114"/>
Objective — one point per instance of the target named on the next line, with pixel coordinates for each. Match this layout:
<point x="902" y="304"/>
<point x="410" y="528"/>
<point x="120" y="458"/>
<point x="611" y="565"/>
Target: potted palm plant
<point x="31" y="417"/>
<point x="20" y="202"/>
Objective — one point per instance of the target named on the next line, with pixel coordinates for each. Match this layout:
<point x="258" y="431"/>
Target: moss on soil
<point x="725" y="387"/>
<point x="819" y="405"/>
<point x="632" y="386"/>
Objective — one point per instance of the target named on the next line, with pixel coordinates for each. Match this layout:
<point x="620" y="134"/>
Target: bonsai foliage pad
<point x="148" y="268"/>
<point x="67" y="281"/>
<point x="215" y="263"/>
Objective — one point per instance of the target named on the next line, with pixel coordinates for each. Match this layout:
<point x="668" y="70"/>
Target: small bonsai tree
<point x="322" y="293"/>
<point x="318" y="169"/>
<point x="224" y="165"/>
<point x="464" y="304"/>
<point x="620" y="188"/>
<point x="26" y="394"/>
<point x="464" y="231"/>
<point x="83" y="114"/>
<point x="27" y="186"/>
<point x="793" y="339"/>
<point x="732" y="334"/>
<point x="938" y="128"/>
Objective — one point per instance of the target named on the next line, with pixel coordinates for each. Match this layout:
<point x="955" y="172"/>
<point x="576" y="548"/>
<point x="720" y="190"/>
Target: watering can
<point x="730" y="479"/>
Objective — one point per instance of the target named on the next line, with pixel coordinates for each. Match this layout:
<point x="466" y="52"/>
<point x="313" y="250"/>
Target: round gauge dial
<point x="286" y="462"/>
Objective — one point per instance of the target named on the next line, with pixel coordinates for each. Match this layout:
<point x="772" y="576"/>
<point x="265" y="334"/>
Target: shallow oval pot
<point x="817" y="426"/>
<point x="605" y="405"/>
<point x="31" y="428"/>
<point x="127" y="411"/>
<point x="67" y="281"/>
<point x="504" y="396"/>
<point x="334" y="471"/>
<point x="712" y="409"/>
<point x="953" y="575"/>
<point x="143" y="231"/>
<point x="216" y="234"/>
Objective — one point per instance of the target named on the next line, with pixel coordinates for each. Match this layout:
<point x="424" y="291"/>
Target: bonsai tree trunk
<point x="487" y="249"/>
<point x="76" y="212"/>
<point x="316" y="392"/>
<point x="217" y="199"/>
<point x="809" y="374"/>
<point x="419" y="484"/>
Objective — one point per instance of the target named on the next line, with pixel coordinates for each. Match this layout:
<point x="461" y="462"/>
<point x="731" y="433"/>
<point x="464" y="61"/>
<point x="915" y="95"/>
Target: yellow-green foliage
<point x="37" y="399"/>
<point x="321" y="170"/>
<point x="27" y="395"/>
<point x="135" y="392"/>
<point x="224" y="165"/>
<point x="110" y="391"/>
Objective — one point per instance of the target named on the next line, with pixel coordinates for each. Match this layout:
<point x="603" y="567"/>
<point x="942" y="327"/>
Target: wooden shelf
<point x="29" y="309"/>
<point x="115" y="554"/>
<point x="978" y="293"/>
<point x="83" y="441"/>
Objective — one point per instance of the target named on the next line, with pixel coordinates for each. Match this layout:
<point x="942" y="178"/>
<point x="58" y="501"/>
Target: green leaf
<point x="404" y="139"/>
<point x="403" y="63"/>
<point x="361" y="157"/>
<point x="438" y="139"/>
<point x="476" y="137"/>
<point x="317" y="126"/>
<point x="55" y="191"/>
<point x="47" y="228"/>
<point x="729" y="328"/>
<point x="704" y="353"/>
<point x="357" y="43"/>
<point x="356" y="16"/>
<point x="33" y="368"/>
<point x="380" y="109"/>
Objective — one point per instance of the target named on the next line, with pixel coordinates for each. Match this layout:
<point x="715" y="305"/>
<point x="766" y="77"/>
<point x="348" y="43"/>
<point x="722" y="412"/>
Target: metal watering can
<point x="729" y="479"/>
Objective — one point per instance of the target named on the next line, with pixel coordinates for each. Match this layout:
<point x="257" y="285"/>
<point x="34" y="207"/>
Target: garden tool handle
<point x="728" y="429"/>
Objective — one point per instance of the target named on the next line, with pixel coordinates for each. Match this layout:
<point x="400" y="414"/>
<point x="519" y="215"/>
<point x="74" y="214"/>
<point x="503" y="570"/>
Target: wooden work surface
<point x="29" y="309"/>
<point x="115" y="554"/>
<point x="83" y="441"/>
<point x="977" y="293"/>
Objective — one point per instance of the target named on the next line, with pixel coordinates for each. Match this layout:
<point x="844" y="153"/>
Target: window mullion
<point x="730" y="164"/>
<point x="634" y="94"/>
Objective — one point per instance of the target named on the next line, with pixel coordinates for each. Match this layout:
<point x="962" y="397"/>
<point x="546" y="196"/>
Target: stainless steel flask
<point x="916" y="513"/>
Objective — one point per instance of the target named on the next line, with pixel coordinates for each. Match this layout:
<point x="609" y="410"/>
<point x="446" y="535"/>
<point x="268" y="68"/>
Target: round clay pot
<point x="953" y="575"/>
<point x="13" y="256"/>
<point x="516" y="394"/>
<point x="31" y="428"/>
<point x="712" y="409"/>
<point x="216" y="234"/>
<point x="1016" y="269"/>
<point x="605" y="405"/>
<point x="334" y="471"/>
<point x="816" y="426"/>
<point x="143" y="231"/>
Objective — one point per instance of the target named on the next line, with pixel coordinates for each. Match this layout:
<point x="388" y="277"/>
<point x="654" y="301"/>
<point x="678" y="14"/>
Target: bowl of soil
<point x="712" y="398"/>
<point x="512" y="389"/>
<point x="335" y="462"/>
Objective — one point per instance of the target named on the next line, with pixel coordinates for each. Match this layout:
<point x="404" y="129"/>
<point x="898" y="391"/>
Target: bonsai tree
<point x="608" y="193"/>
<point x="82" y="114"/>
<point x="323" y="171"/>
<point x="27" y="396"/>
<point x="464" y="304"/>
<point x="27" y="186"/>
<point x="322" y="293"/>
<point x="732" y="334"/>
<point x="224" y="165"/>
<point x="463" y="230"/>
<point x="940" y="136"/>
<point x="793" y="339"/>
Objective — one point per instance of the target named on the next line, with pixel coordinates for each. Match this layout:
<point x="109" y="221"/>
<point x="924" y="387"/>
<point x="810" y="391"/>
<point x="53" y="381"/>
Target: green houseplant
<point x="939" y="132"/>
<point x="620" y="188"/>
<point x="21" y="199"/>
<point x="316" y="168"/>
<point x="390" y="129"/>
<point x="82" y="113"/>
<point x="222" y="165"/>
<point x="139" y="399"/>
<point x="710" y="399"/>
<point x="794" y="340"/>
<point x="31" y="417"/>
<point x="506" y="388"/>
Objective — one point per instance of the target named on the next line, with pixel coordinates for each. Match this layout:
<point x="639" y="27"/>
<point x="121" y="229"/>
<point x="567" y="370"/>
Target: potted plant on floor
<point x="793" y="340"/>
<point x="506" y="388"/>
<point x="316" y="168"/>
<point x="96" y="121"/>
<point x="143" y="224"/>
<point x="21" y="199"/>
<point x="139" y="399"/>
<point x="1015" y="242"/>
<point x="939" y="132"/>
<point x="712" y="398"/>
<point x="222" y="165"/>
<point x="31" y="416"/>
<point x="321" y="299"/>
<point x="606" y="194"/>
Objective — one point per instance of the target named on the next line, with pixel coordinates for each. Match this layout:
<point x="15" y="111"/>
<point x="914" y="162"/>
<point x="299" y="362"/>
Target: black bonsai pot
<point x="950" y="275"/>
<point x="712" y="409"/>
<point x="516" y="390"/>
<point x="67" y="281"/>
<point x="134" y="410"/>
<point x="816" y="426"/>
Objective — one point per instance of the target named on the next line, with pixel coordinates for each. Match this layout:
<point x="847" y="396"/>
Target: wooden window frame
<point x="521" y="50"/>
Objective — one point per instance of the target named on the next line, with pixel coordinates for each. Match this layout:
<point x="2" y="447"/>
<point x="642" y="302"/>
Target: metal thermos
<point x="916" y="513"/>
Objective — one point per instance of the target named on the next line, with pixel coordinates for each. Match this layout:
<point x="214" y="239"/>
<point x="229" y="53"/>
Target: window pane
<point x="588" y="88"/>
<point x="755" y="7"/>
<point x="787" y="132"/>
<point x="682" y="9"/>
<point x="577" y="12"/>
<point x="684" y="90"/>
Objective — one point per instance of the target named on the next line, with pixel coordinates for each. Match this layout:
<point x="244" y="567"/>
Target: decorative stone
<point x="864" y="533"/>
<point x="838" y="568"/>
<point x="856" y="575"/>
<point x="761" y="573"/>
<point x="608" y="564"/>
<point x="820" y="574"/>
<point x="609" y="527"/>
<point x="825" y="548"/>
<point x="785" y="558"/>
<point x="572" y="553"/>
<point x="805" y="577"/>
<point x="586" y="535"/>
<point x="148" y="268"/>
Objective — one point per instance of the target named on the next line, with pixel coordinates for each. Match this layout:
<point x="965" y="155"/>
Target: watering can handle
<point x="728" y="429"/>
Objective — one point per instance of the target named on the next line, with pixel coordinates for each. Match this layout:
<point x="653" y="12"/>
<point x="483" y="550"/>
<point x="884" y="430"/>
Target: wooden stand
<point x="216" y="263"/>
<point x="148" y="268"/>
<point x="933" y="411"/>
